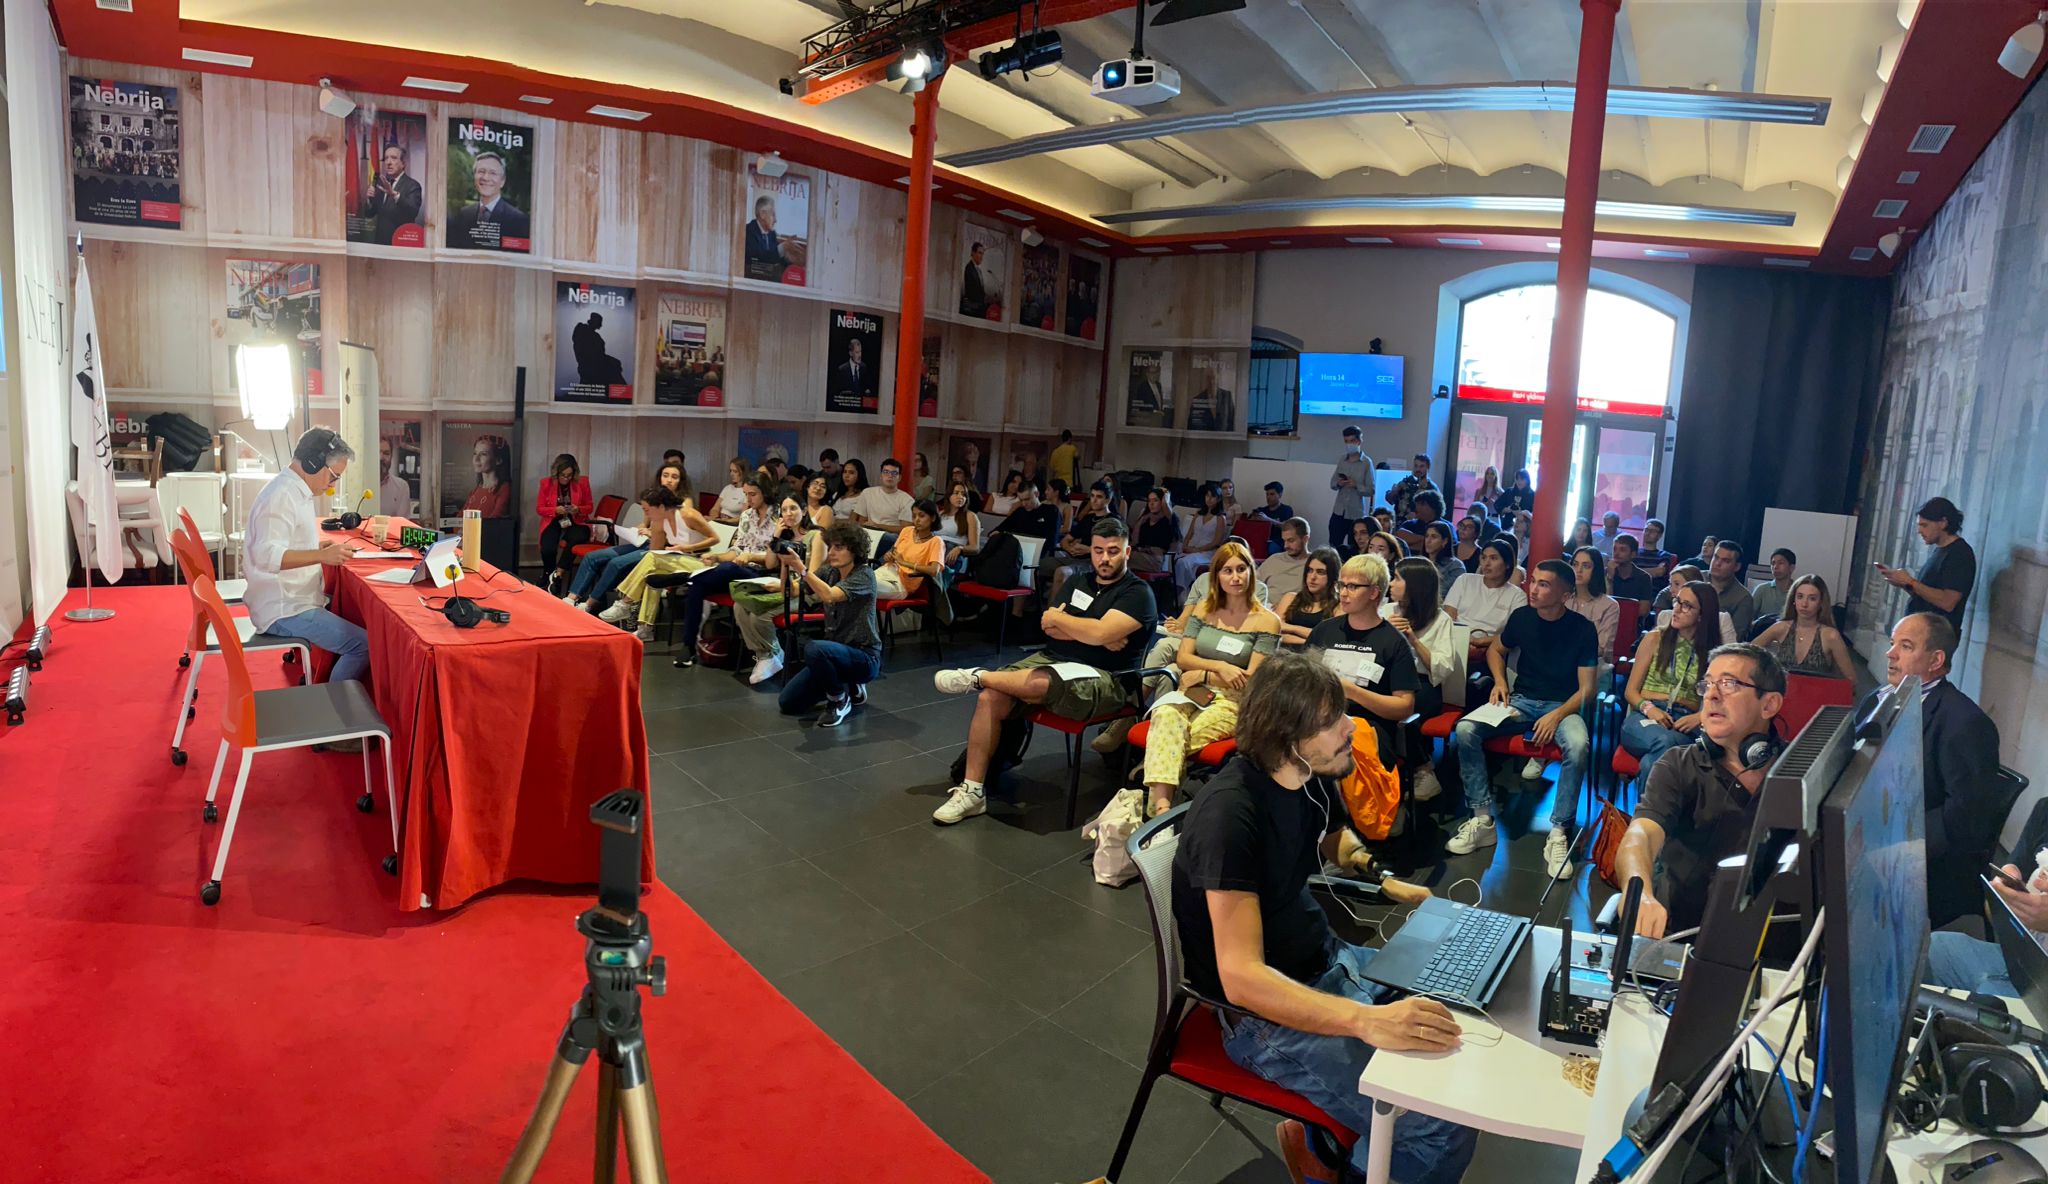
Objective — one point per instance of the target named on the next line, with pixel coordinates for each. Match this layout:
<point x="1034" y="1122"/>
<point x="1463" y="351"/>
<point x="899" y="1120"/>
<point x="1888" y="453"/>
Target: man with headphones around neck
<point x="1699" y="801"/>
<point x="1251" y="934"/>
<point x="285" y="556"/>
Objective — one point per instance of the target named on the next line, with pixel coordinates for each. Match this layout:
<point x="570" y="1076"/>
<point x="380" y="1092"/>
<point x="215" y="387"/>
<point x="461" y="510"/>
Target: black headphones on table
<point x="464" y="613"/>
<point x="1986" y="1086"/>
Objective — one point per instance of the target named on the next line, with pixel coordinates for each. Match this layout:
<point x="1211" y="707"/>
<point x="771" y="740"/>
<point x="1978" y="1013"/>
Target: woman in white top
<point x="958" y="526"/>
<point x="1206" y="531"/>
<point x="1590" y="600"/>
<point x="1005" y="503"/>
<point x="733" y="498"/>
<point x="675" y="543"/>
<point x="1414" y="607"/>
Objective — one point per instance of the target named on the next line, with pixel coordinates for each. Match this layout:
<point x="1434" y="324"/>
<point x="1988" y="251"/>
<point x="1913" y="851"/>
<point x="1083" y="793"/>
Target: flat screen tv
<point x="1359" y="386"/>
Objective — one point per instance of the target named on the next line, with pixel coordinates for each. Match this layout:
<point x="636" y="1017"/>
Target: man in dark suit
<point x="394" y="198"/>
<point x="974" y="286"/>
<point x="489" y="222"/>
<point x="1965" y="800"/>
<point x="764" y="248"/>
<point x="853" y="379"/>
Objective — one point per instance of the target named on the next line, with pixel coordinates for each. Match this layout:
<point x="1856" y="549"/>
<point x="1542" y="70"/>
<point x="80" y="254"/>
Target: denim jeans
<point x="709" y="582"/>
<point x="1962" y="963"/>
<point x="1647" y="742"/>
<point x="1571" y="738"/>
<point x="1325" y="1070"/>
<point x="830" y="670"/>
<point x="601" y="571"/>
<point x="344" y="639"/>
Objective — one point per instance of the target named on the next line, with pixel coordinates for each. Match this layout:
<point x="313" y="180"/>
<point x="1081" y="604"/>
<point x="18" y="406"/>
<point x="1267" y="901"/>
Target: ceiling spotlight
<point x="1890" y="243"/>
<point x="916" y="67"/>
<point x="334" y="102"/>
<point x="771" y="165"/>
<point x="1027" y="53"/>
<point x="2023" y="48"/>
<point x="1031" y="236"/>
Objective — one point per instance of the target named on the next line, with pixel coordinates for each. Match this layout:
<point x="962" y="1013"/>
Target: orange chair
<point x="200" y="640"/>
<point x="253" y="721"/>
<point x="231" y="591"/>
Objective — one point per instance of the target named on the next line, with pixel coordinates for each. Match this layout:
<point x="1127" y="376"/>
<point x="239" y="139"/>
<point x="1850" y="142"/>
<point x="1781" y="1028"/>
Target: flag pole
<point x="88" y="613"/>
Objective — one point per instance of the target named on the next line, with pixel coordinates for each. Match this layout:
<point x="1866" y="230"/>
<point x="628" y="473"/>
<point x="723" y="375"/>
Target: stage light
<point x="1027" y="53"/>
<point x="38" y="647"/>
<point x="2023" y="48"/>
<point x="264" y="373"/>
<point x="771" y="165"/>
<point x="1031" y="236"/>
<point x="1890" y="244"/>
<point x="918" y="65"/>
<point x="17" y="695"/>
<point x="334" y="102"/>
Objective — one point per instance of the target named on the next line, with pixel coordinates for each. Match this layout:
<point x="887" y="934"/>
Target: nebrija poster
<point x="1149" y="403"/>
<point x="1212" y="405"/>
<point x="124" y="153"/>
<point x="928" y="379"/>
<point x="853" y="350"/>
<point x="385" y="198"/>
<point x="1084" y="290"/>
<point x="490" y="186"/>
<point x="689" y="361"/>
<point x="986" y="270"/>
<point x="594" y="331"/>
<point x="1040" y="267"/>
<point x="400" y="468"/>
<point x="777" y="235"/>
<point x="270" y="301"/>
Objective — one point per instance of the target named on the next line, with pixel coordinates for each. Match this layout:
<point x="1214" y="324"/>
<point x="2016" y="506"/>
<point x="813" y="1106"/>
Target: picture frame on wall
<point x="401" y="465"/>
<point x="928" y="377"/>
<point x="1084" y="295"/>
<point x="985" y="272"/>
<point x="384" y="196"/>
<point x="595" y="332"/>
<point x="775" y="240"/>
<point x="490" y="186"/>
<point x="275" y="300"/>
<point x="1148" y="389"/>
<point x="479" y="469"/>
<point x="126" y="154"/>
<point x="853" y="356"/>
<point x="757" y="444"/>
<point x="1212" y="392"/>
<point x="1038" y="287"/>
<point x="689" y="353"/>
<point x="971" y="453"/>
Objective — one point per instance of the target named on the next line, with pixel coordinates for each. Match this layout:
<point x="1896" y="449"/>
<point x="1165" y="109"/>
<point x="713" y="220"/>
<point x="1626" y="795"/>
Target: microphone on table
<point x="350" y="520"/>
<point x="1993" y="1019"/>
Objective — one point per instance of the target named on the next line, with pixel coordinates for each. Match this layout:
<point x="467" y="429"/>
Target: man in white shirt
<point x="1282" y="571"/>
<point x="883" y="507"/>
<point x="285" y="555"/>
<point x="1485" y="598"/>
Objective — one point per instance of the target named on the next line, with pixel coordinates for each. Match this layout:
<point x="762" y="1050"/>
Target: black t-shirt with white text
<point x="1339" y="646"/>
<point x="1952" y="569"/>
<point x="1246" y="833"/>
<point x="1082" y="596"/>
<point x="1551" y="652"/>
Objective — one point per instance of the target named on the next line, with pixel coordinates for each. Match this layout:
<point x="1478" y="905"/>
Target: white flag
<point x="90" y="434"/>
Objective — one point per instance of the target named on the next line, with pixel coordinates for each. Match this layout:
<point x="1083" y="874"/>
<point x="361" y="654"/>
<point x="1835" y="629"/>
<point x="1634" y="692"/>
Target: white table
<point x="1515" y="1088"/>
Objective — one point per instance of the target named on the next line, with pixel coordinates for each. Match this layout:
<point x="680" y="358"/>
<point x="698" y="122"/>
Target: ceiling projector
<point x="1136" y="81"/>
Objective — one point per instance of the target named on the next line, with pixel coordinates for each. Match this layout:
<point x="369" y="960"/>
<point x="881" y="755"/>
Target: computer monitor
<point x="1873" y="884"/>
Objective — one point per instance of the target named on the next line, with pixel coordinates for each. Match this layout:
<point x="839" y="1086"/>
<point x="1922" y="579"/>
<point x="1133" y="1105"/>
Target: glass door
<point x="1624" y="474"/>
<point x="1575" y="492"/>
<point x="1482" y="444"/>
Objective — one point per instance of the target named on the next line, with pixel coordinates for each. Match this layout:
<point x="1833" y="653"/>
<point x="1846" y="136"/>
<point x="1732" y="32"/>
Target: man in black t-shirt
<point x="1275" y="510"/>
<point x="1368" y="655"/>
<point x="1098" y="626"/>
<point x="1626" y="581"/>
<point x="1697" y="807"/>
<point x="1251" y="935"/>
<point x="1032" y="519"/>
<point x="1557" y="655"/>
<point x="1944" y="583"/>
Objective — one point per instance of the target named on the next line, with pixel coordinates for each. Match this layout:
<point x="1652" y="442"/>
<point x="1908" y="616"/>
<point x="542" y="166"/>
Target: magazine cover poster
<point x="777" y="234"/>
<point x="1039" y="297"/>
<point x="1212" y="401"/>
<point x="271" y="300"/>
<point x="756" y="445"/>
<point x="477" y="470"/>
<point x="124" y="153"/>
<point x="594" y="332"/>
<point x="928" y="379"/>
<point x="385" y="186"/>
<point x="400" y="466"/>
<point x="1084" y="291"/>
<point x="689" y="358"/>
<point x="853" y="357"/>
<point x="1149" y="401"/>
<point x="490" y="186"/>
<point x="984" y="271"/>
<point x="969" y="454"/>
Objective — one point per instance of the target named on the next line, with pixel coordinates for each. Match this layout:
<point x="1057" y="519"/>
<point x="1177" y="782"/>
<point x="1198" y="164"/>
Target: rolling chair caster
<point x="366" y="803"/>
<point x="391" y="864"/>
<point x="190" y="713"/>
<point x="184" y="661"/>
<point x="209" y="895"/>
<point x="177" y="756"/>
<point x="209" y="814"/>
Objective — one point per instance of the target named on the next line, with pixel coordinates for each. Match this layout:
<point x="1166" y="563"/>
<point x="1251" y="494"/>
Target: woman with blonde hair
<point x="1228" y="635"/>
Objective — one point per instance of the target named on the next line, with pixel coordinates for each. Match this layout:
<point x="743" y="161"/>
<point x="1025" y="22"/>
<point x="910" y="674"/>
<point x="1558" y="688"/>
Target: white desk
<point x="1635" y="1033"/>
<point x="1515" y="1088"/>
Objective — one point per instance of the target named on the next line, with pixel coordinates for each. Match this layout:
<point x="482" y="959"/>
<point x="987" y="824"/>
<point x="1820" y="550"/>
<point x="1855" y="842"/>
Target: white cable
<point x="1710" y="1089"/>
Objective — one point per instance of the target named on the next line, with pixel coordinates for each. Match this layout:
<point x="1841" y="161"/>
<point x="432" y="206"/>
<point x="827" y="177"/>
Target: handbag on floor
<point x="1109" y="831"/>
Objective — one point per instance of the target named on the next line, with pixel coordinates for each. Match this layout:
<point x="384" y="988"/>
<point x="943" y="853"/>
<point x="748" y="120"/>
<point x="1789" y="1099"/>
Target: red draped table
<point x="502" y="735"/>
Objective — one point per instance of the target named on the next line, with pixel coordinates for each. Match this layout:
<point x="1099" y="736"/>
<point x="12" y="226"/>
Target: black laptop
<point x="1455" y="952"/>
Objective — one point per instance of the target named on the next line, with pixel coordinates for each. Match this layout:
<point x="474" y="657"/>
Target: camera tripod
<point x="618" y="960"/>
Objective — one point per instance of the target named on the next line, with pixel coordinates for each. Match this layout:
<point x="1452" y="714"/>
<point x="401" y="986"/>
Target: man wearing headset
<point x="1251" y="934"/>
<point x="285" y="556"/>
<point x="1700" y="800"/>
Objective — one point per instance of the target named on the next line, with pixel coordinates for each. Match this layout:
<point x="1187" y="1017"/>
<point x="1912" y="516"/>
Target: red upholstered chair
<point x="1806" y="694"/>
<point x="609" y="507"/>
<point x="1187" y="1042"/>
<point x="1258" y="535"/>
<point x="1000" y="597"/>
<point x="707" y="502"/>
<point x="1213" y="753"/>
<point x="1071" y="731"/>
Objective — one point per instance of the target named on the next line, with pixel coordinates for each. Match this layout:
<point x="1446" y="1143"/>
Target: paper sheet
<point x="382" y="555"/>
<point x="393" y="575"/>
<point x="1073" y="671"/>
<point x="1492" y="713"/>
<point x="628" y="535"/>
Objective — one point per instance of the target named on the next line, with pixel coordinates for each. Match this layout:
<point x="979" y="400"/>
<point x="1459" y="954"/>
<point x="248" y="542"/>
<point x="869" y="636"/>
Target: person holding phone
<point x="1352" y="481"/>
<point x="1944" y="583"/>
<point x="1960" y="962"/>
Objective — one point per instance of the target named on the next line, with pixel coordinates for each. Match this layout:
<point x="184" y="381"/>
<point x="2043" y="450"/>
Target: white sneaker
<point x="1473" y="833"/>
<point x="1426" y="784"/>
<point x="765" y="669"/>
<point x="569" y="598"/>
<point x="1557" y="852"/>
<point x="965" y="803"/>
<point x="964" y="681"/>
<point x="1532" y="770"/>
<point x="618" y="612"/>
<point x="644" y="634"/>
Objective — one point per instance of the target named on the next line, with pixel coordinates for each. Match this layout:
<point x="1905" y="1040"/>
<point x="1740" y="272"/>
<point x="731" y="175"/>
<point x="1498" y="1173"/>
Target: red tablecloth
<point x="503" y="735"/>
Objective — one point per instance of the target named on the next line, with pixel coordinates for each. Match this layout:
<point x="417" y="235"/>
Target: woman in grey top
<point x="838" y="667"/>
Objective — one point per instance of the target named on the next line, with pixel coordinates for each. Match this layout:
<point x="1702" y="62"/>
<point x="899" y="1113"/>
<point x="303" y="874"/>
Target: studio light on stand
<point x="264" y="372"/>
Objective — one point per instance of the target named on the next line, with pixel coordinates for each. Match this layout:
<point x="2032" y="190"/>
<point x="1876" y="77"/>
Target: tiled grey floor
<point x="978" y="971"/>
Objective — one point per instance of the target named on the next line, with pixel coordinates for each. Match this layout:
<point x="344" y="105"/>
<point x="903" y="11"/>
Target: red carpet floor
<point x="304" y="1030"/>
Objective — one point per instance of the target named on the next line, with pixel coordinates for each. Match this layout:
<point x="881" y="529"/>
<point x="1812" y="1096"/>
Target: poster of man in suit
<point x="689" y="359"/>
<point x="1212" y="407"/>
<point x="1040" y="266"/>
<point x="1084" y="289"/>
<point x="853" y="349"/>
<point x="490" y="186"/>
<point x="385" y="197"/>
<point x="776" y="238"/>
<point x="124" y="153"/>
<point x="595" y="322"/>
<point x="928" y="378"/>
<point x="1149" y="401"/>
<point x="987" y="270"/>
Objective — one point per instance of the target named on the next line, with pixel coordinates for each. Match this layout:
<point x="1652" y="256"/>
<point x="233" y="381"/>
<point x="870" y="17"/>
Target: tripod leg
<point x="533" y="1141"/>
<point x="643" y="1135"/>
<point x="607" y="1169"/>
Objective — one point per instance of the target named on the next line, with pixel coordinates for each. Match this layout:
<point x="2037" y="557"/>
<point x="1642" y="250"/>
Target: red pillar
<point x="917" y="243"/>
<point x="1574" y="263"/>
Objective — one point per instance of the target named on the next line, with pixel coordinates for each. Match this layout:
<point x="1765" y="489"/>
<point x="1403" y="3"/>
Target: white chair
<point x="723" y="532"/>
<point x="195" y="501"/>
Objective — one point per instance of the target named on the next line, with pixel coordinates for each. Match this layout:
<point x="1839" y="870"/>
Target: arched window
<point x="1504" y="349"/>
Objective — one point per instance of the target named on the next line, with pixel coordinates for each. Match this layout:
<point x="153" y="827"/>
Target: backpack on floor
<point x="718" y="643"/>
<point x="999" y="563"/>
